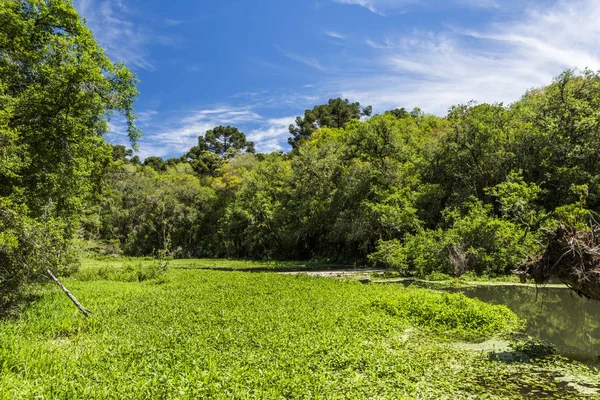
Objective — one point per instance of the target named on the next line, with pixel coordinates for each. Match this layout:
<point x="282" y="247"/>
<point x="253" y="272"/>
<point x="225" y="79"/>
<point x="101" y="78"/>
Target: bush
<point x="419" y="255"/>
<point x="139" y="271"/>
<point x="29" y="247"/>
<point x="132" y="272"/>
<point x="475" y="241"/>
<point x="493" y="246"/>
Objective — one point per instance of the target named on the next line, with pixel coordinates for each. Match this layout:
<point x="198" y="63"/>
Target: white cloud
<point x="381" y="7"/>
<point x="480" y="3"/>
<point x="174" y="134"/>
<point x="117" y="131"/>
<point x="384" y="45"/>
<point x="435" y="71"/>
<point x="335" y="35"/>
<point x="311" y="62"/>
<point x="268" y="138"/>
<point x="368" y="4"/>
<point x="178" y="135"/>
<point x="123" y="40"/>
<point x="144" y="117"/>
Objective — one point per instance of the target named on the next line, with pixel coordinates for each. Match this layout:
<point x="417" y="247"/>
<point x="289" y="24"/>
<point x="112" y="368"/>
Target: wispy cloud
<point x="179" y="133"/>
<point x="271" y="135"/>
<point x="310" y="61"/>
<point x="177" y="136"/>
<point x="480" y="3"/>
<point x="335" y="35"/>
<point x="436" y="70"/>
<point x="111" y="22"/>
<point x="382" y="45"/>
<point x="172" y="22"/>
<point x="173" y="134"/>
<point x="145" y="117"/>
<point x="382" y="7"/>
<point x="368" y="4"/>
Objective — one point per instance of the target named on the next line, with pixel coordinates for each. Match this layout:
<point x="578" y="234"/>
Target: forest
<point x="473" y="193"/>
<point x="470" y="192"/>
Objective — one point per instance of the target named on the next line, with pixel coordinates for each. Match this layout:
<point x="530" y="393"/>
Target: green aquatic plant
<point x="228" y="334"/>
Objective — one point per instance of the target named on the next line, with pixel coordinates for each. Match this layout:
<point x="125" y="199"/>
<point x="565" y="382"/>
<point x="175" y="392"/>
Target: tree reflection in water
<point x="553" y="314"/>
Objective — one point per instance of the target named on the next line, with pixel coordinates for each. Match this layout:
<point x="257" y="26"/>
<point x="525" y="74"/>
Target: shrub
<point x="419" y="254"/>
<point x="139" y="271"/>
<point x="492" y="245"/>
<point x="29" y="247"/>
<point x="475" y="241"/>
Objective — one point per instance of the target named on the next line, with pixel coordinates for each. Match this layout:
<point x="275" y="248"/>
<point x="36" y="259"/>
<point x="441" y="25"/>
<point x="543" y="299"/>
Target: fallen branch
<point x="84" y="310"/>
<point x="571" y="256"/>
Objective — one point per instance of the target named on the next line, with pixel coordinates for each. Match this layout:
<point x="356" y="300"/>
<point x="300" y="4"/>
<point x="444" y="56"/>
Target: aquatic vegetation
<point x="218" y="334"/>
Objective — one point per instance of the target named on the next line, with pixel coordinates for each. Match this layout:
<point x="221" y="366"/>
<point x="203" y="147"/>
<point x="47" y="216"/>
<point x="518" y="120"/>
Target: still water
<point x="554" y="314"/>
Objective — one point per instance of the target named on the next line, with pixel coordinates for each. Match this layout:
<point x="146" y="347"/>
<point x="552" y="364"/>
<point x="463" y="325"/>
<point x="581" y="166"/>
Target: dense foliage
<point x="223" y="334"/>
<point x="335" y="114"/>
<point x="423" y="194"/>
<point x="208" y="334"/>
<point x="468" y="192"/>
<point x="56" y="90"/>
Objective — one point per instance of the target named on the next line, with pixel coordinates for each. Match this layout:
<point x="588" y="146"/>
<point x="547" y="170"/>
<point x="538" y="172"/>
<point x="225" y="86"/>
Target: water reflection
<point x="554" y="314"/>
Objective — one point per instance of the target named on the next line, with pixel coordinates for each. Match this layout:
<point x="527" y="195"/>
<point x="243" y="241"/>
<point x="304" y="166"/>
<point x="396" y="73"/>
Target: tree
<point x="156" y="163"/>
<point x="226" y="142"/>
<point x="57" y="88"/>
<point x="120" y="153"/>
<point x="399" y="113"/>
<point x="202" y="161"/>
<point x="172" y="162"/>
<point x="335" y="114"/>
<point x="559" y="137"/>
<point x="473" y="153"/>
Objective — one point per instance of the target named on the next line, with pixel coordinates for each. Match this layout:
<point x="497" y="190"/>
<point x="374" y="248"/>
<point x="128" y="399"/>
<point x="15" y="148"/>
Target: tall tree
<point x="335" y="114"/>
<point x="227" y="141"/>
<point x="120" y="153"/>
<point x="57" y="88"/>
<point x="156" y="163"/>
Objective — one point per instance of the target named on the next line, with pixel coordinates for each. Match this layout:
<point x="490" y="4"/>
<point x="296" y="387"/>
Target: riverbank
<point x="197" y="333"/>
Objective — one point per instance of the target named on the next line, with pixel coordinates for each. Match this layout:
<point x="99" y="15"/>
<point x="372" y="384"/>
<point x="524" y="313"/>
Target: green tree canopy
<point x="156" y="163"/>
<point x="202" y="161"/>
<point x="335" y="114"/>
<point x="226" y="142"/>
<point x="120" y="153"/>
<point x="57" y="88"/>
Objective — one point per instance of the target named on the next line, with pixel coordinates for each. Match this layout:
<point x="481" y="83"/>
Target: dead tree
<point x="573" y="257"/>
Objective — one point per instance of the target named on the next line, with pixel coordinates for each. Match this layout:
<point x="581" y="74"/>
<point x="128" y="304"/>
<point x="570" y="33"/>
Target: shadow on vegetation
<point x="16" y="307"/>
<point x="275" y="268"/>
<point x="544" y="385"/>
<point x="527" y="351"/>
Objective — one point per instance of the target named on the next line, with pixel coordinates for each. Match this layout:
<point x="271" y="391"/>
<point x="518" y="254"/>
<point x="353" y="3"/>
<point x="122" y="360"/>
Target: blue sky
<point x="258" y="64"/>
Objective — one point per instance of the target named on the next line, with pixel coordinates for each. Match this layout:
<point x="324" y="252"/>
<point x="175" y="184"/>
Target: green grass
<point x="214" y="264"/>
<point x="196" y="333"/>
